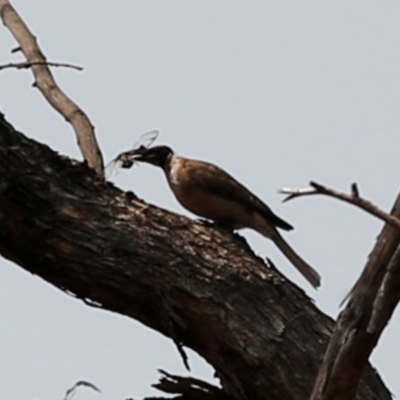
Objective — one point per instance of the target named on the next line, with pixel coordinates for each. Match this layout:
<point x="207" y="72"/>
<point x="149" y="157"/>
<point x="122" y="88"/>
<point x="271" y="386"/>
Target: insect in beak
<point x="127" y="159"/>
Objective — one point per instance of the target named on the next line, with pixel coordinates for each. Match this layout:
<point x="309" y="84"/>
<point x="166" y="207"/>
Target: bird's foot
<point x="224" y="225"/>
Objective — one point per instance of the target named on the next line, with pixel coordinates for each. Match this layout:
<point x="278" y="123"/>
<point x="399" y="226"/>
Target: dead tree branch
<point x="353" y="198"/>
<point x="60" y="221"/>
<point x="189" y="388"/>
<point x="44" y="80"/>
<point x="360" y="325"/>
<point x="371" y="305"/>
<point x="29" y="64"/>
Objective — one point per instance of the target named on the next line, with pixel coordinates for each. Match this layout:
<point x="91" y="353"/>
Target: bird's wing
<point x="216" y="180"/>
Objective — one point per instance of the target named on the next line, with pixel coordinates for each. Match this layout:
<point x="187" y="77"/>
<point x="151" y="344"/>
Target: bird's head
<point x="158" y="155"/>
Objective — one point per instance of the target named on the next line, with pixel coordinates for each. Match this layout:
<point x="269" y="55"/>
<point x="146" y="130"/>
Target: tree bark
<point x="197" y="284"/>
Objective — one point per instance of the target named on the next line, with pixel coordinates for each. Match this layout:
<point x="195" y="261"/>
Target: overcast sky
<point x="276" y="92"/>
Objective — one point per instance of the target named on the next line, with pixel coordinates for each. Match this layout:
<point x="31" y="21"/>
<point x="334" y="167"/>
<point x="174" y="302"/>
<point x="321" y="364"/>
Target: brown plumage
<point x="209" y="192"/>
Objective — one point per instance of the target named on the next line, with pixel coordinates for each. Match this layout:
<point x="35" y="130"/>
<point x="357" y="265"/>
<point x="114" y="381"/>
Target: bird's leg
<point x="224" y="225"/>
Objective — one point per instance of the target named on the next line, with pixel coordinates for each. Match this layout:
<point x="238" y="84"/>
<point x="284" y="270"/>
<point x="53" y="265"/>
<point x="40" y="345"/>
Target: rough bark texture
<point x="199" y="285"/>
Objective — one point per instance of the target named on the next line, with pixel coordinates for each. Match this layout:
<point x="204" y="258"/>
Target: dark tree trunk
<point x="199" y="285"/>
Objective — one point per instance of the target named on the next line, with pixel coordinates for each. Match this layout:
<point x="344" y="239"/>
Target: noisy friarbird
<point x="209" y="192"/>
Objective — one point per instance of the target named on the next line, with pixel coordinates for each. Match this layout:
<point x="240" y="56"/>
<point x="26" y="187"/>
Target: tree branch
<point x="189" y="388"/>
<point x="353" y="198"/>
<point x="84" y="130"/>
<point x="29" y="64"/>
<point x="371" y="305"/>
<point x="71" y="391"/>
<point x="359" y="326"/>
<point x="60" y="221"/>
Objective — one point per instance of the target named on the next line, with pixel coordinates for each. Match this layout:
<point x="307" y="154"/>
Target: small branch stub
<point x="354" y="190"/>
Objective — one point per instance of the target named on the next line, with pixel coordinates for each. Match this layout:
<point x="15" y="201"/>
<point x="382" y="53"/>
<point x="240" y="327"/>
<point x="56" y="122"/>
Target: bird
<point x="209" y="192"/>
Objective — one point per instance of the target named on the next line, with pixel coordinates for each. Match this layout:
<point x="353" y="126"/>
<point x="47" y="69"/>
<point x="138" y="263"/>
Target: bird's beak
<point x="138" y="154"/>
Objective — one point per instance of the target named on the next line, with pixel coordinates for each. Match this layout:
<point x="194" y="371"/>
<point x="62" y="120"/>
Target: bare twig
<point x="71" y="391"/>
<point x="29" y="64"/>
<point x="84" y="130"/>
<point x="353" y="198"/>
<point x="359" y="326"/>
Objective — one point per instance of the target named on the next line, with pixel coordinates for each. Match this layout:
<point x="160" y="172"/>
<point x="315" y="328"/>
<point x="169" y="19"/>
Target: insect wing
<point x="113" y="167"/>
<point x="146" y="140"/>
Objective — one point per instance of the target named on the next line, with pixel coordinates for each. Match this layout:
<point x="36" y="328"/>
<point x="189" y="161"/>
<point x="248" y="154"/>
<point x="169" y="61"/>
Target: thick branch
<point x="84" y="130"/>
<point x="194" y="283"/>
<point x="353" y="198"/>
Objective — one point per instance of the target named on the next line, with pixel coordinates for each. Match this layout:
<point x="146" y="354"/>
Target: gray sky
<point x="277" y="93"/>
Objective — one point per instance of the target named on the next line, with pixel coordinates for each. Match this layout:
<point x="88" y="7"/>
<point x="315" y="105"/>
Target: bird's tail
<point x="305" y="269"/>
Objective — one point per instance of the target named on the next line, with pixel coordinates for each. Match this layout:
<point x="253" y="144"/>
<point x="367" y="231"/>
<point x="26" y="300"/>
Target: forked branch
<point x="371" y="301"/>
<point x="84" y="130"/>
<point x="358" y="328"/>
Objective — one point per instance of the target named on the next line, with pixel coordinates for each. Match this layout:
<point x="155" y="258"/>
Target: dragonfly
<point x="127" y="158"/>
